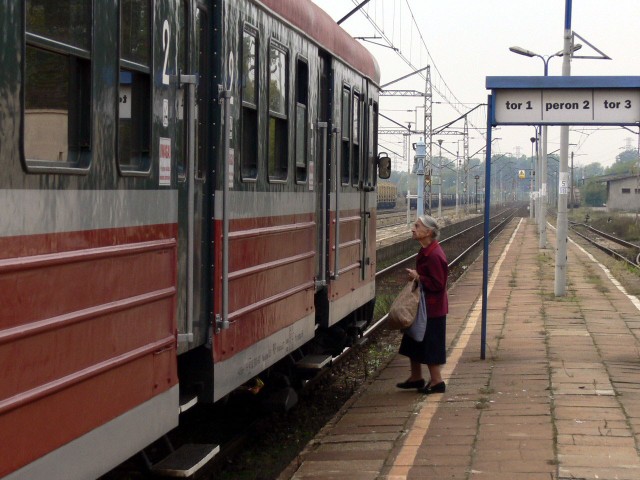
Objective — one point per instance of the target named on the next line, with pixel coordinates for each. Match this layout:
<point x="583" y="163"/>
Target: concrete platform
<point x="558" y="396"/>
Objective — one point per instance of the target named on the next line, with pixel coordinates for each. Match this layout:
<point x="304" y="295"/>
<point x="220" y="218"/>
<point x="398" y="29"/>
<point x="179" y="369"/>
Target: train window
<point x="346" y="131"/>
<point x="134" y="114"/>
<point x="202" y="114"/>
<point x="57" y="85"/>
<point x="181" y="112"/>
<point x="302" y="102"/>
<point x="249" y="125"/>
<point x="355" y="160"/>
<point x="278" y="121"/>
<point x="373" y="143"/>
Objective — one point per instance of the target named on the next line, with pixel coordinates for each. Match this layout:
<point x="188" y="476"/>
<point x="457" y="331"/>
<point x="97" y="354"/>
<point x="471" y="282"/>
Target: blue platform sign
<point x="565" y="100"/>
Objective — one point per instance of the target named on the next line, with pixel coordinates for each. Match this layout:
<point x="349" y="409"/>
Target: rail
<point x="502" y="219"/>
<point x="611" y="238"/>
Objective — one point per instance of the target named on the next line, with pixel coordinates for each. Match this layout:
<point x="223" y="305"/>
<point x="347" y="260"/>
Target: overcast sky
<point x="469" y="40"/>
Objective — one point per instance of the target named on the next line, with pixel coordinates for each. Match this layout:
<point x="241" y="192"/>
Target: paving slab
<point x="557" y="397"/>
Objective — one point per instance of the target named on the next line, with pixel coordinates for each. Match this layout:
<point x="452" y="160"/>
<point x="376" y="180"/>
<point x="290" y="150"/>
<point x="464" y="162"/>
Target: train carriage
<point x="188" y="194"/>
<point x="387" y="194"/>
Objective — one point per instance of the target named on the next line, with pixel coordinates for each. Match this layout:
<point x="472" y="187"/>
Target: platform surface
<point x="557" y="397"/>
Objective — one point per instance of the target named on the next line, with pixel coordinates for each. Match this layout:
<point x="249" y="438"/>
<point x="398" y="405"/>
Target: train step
<point x="186" y="460"/>
<point x="314" y="362"/>
<point x="361" y="325"/>
<point x="187" y="401"/>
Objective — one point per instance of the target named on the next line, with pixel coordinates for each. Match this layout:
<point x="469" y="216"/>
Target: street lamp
<point x="542" y="224"/>
<point x="545" y="59"/>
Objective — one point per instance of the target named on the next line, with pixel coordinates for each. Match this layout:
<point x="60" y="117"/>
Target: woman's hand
<point x="413" y="275"/>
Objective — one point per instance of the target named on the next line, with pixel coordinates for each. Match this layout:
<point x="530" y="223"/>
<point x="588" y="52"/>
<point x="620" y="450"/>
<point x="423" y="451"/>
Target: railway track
<point x="459" y="241"/>
<point x="618" y="248"/>
<point x="399" y="217"/>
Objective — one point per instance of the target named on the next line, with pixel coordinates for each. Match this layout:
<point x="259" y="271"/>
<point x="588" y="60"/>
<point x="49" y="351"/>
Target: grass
<point x="383" y="303"/>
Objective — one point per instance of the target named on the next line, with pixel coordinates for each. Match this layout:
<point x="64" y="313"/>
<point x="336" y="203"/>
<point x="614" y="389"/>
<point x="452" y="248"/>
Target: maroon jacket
<point x="431" y="265"/>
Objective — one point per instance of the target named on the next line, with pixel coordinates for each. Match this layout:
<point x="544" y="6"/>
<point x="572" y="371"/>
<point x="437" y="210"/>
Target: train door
<point x="368" y="184"/>
<point x="360" y="131"/>
<point x="192" y="218"/>
<point x="323" y="174"/>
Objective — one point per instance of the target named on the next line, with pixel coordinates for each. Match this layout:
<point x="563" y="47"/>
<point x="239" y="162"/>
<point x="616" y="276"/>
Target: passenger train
<point x="188" y="196"/>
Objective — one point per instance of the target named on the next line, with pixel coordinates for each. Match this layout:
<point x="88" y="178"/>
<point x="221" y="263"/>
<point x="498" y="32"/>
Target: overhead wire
<point x="455" y="103"/>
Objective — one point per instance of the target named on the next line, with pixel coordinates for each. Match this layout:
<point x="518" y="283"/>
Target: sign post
<point x="555" y="101"/>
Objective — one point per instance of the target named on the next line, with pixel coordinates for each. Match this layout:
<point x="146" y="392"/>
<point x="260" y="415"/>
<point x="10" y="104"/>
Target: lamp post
<point x="542" y="224"/>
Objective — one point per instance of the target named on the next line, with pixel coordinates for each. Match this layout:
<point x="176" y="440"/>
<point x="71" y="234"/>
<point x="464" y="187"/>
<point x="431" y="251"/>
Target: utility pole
<point x="465" y="147"/>
<point x="428" y="126"/>
<point x="440" y="180"/>
<point x="542" y="227"/>
<point x="562" y="221"/>
<point x="420" y="159"/>
<point x="457" y="177"/>
<point x="477" y="177"/>
<point x="531" y="177"/>
<point x="571" y="196"/>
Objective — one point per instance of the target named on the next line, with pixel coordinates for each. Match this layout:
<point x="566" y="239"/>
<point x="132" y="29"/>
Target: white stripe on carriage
<point x="32" y="212"/>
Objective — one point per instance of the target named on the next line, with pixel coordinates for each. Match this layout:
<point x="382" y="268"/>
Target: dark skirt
<point x="432" y="349"/>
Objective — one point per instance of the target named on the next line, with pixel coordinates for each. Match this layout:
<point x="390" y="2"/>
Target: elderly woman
<point x="432" y="271"/>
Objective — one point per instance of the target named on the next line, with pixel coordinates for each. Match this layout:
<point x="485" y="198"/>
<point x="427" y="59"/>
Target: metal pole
<point x="440" y="180"/>
<point x="421" y="152"/>
<point x="571" y="197"/>
<point x="487" y="216"/>
<point x="226" y="99"/>
<point x="534" y="154"/>
<point x="353" y="11"/>
<point x="542" y="226"/>
<point x="562" y="223"/>
<point x="543" y="189"/>
<point x="428" y="127"/>
<point x="477" y="177"/>
<point x="531" y="177"/>
<point x="458" y="176"/>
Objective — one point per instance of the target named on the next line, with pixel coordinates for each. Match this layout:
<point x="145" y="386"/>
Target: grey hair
<point x="430" y="222"/>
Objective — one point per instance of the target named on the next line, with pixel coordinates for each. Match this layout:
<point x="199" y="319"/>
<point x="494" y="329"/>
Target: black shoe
<point x="429" y="389"/>
<point x="409" y="385"/>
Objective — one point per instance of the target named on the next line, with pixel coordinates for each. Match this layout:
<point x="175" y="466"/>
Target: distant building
<point x="623" y="192"/>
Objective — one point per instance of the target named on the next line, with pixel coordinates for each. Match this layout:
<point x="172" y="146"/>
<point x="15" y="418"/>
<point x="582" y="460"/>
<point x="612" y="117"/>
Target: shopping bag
<point x="419" y="325"/>
<point x="404" y="308"/>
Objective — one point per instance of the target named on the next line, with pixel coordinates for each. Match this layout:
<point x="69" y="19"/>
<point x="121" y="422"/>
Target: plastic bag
<point x="405" y="307"/>
<point x="419" y="325"/>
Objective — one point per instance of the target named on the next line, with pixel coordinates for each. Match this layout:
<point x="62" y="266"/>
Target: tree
<point x="626" y="162"/>
<point x="594" y="193"/>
